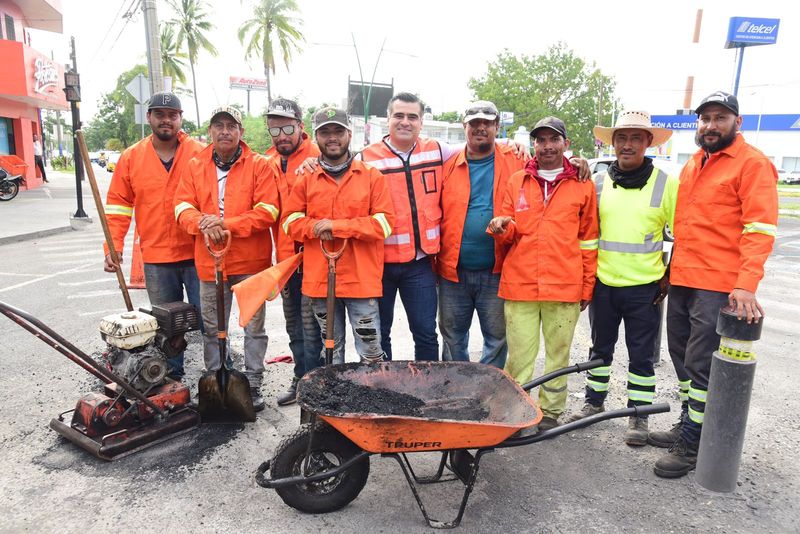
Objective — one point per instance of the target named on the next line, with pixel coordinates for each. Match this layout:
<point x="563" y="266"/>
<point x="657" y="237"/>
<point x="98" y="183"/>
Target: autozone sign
<point x="252" y="84"/>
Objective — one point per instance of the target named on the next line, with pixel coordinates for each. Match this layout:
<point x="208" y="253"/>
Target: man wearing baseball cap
<point x="725" y="225"/>
<point x="229" y="187"/>
<point x="636" y="201"/>
<point x="470" y="261"/>
<point x="342" y="199"/>
<point x="549" y="221"/>
<point x="290" y="147"/>
<point x="144" y="184"/>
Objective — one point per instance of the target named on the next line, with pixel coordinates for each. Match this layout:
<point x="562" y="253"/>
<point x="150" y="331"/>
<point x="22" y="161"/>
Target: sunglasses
<point x="287" y="130"/>
<point x="487" y="111"/>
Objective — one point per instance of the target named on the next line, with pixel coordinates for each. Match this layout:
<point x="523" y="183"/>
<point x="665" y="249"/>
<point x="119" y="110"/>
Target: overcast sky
<point x="433" y="47"/>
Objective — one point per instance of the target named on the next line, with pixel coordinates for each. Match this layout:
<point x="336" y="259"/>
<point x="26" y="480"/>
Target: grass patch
<point x="789" y="193"/>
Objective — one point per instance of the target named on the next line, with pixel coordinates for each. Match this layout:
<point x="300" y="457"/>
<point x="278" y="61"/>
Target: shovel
<point x="225" y="393"/>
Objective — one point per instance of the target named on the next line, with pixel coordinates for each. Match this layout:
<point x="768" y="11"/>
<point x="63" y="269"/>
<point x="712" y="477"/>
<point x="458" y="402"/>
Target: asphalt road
<point x="586" y="481"/>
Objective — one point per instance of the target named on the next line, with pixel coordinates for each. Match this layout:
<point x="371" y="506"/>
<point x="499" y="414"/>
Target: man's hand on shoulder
<point x="309" y="165"/>
<point x="583" y="168"/>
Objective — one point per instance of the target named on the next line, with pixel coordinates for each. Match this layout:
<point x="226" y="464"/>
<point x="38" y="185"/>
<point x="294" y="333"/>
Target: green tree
<point x="192" y="26"/>
<point x="272" y="28"/>
<point x="448" y="116"/>
<point x="115" y="117"/>
<point x="172" y="59"/>
<point x="555" y="83"/>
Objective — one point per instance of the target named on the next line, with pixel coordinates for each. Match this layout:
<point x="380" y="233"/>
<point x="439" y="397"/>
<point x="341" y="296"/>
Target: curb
<point x="34" y="235"/>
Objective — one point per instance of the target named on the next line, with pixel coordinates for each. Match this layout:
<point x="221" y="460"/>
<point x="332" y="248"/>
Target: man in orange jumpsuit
<point x="230" y="187"/>
<point x="144" y="183"/>
<point x="725" y="225"/>
<point x="342" y="199"/>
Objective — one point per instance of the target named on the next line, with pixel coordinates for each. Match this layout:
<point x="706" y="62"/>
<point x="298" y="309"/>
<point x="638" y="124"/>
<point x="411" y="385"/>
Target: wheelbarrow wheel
<point x="329" y="450"/>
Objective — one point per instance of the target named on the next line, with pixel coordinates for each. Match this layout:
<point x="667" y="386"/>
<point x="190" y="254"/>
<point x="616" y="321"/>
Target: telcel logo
<point x="749" y="27"/>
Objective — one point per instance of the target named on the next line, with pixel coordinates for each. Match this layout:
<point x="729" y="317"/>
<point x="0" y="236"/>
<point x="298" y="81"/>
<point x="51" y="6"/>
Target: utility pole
<point x="73" y="90"/>
<point x="153" y="38"/>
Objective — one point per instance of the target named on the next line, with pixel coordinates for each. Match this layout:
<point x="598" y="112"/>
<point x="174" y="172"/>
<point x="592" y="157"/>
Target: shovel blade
<point x="231" y="402"/>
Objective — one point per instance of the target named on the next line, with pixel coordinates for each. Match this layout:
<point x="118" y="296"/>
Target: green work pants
<point x="557" y="321"/>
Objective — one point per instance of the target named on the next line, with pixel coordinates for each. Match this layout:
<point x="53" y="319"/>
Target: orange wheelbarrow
<point x="399" y="407"/>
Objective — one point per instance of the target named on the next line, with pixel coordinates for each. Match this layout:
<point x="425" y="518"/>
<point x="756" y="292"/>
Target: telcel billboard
<point x="750" y="31"/>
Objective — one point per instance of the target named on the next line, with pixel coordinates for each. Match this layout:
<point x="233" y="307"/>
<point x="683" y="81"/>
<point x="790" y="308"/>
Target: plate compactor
<point x="139" y="405"/>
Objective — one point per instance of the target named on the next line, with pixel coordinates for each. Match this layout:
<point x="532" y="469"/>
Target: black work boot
<point x="290" y="396"/>
<point x="665" y="438"/>
<point x="681" y="459"/>
<point x="258" y="399"/>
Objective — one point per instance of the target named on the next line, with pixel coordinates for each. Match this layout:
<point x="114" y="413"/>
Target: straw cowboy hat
<point x="639" y="120"/>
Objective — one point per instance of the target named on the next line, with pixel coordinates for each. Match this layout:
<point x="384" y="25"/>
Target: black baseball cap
<point x="723" y="99"/>
<point x="554" y="123"/>
<point x="283" y="107"/>
<point x="164" y="100"/>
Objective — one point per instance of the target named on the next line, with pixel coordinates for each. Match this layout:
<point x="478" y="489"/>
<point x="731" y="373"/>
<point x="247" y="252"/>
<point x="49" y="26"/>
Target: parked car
<point x="111" y="161"/>
<point x="788" y="177"/>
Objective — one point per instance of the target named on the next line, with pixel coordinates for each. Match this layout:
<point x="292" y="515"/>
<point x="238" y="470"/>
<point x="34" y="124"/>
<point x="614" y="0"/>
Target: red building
<point x="30" y="80"/>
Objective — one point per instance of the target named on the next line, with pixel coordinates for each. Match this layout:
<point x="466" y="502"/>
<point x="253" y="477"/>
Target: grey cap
<point x="482" y="109"/>
<point x="331" y="115"/>
<point x="554" y="123"/>
<point x="164" y="100"/>
<point x="283" y="107"/>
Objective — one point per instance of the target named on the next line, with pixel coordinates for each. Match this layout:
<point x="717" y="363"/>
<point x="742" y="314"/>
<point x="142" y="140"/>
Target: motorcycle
<point x="12" y="171"/>
<point x="102" y="160"/>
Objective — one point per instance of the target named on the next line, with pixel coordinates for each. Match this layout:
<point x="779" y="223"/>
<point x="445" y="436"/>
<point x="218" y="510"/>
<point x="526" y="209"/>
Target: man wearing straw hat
<point x="636" y="200"/>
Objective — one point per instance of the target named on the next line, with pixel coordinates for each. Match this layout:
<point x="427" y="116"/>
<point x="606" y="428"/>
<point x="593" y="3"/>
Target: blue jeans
<point x="165" y="283"/>
<point x="366" y="325"/>
<point x="255" y="337"/>
<point x="475" y="291"/>
<point x="416" y="282"/>
<point x="305" y="341"/>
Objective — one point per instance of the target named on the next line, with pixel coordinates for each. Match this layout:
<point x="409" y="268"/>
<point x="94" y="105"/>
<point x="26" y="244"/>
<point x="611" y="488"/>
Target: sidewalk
<point x="46" y="210"/>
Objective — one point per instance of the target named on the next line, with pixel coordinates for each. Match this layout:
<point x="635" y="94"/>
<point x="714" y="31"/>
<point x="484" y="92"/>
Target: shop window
<point x="791" y="164"/>
<point x="11" y="33"/>
<point x="7" y="136"/>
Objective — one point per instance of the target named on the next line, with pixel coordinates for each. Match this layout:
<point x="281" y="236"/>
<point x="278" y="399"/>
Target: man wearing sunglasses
<point x="290" y="147"/>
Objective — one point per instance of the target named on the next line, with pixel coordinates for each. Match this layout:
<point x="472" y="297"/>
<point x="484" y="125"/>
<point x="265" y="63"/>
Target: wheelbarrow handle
<point x="218" y="254"/>
<point x="577" y="368"/>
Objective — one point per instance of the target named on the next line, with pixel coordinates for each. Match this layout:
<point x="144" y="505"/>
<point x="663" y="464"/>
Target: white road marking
<point x="87" y="282"/>
<point x="94" y="294"/>
<point x="73" y="262"/>
<point x="24" y="275"/>
<point x="99" y="312"/>
<point x="45" y="277"/>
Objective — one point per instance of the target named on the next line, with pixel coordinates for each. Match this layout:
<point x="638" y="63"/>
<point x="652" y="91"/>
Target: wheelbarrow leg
<point x="468" y="485"/>
<point x="429" y="479"/>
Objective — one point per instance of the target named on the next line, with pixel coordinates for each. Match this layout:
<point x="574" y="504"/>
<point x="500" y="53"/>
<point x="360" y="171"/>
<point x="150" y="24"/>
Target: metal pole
<point x="141" y="92"/>
<point x="740" y="58"/>
<point x="248" y="101"/>
<point x="153" y="38"/>
<point x="76" y="125"/>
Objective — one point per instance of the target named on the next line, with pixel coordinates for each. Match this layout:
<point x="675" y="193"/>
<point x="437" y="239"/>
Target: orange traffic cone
<point x="137" y="267"/>
<point x="250" y="294"/>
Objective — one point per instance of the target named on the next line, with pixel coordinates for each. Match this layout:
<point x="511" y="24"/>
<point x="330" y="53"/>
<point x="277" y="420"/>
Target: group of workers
<point x="526" y="242"/>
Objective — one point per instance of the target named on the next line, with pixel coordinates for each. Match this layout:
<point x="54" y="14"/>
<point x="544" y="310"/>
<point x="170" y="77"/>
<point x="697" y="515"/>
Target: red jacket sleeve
<point x="266" y="204"/>
<point x="120" y="201"/>
<point x="759" y="197"/>
<point x="588" y="235"/>
<point x="294" y="221"/>
<point x="187" y="211"/>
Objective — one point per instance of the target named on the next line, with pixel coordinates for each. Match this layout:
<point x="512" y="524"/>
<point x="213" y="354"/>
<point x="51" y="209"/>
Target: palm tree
<point x="192" y="25"/>
<point x="172" y="59"/>
<point x="272" y="21"/>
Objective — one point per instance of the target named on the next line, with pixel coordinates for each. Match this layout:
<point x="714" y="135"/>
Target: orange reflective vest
<point x="251" y="206"/>
<point x="415" y="187"/>
<point x="725" y="220"/>
<point x="284" y="245"/>
<point x="359" y="206"/>
<point x="455" y="201"/>
<point x="142" y="186"/>
<point x="553" y="254"/>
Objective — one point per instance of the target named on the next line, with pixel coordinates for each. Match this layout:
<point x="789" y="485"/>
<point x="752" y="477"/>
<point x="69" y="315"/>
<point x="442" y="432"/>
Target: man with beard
<point x="469" y="262"/>
<point x="144" y="183"/>
<point x="636" y="201"/>
<point x="549" y="220"/>
<point x="229" y="187"/>
<point x="342" y="199"/>
<point x="725" y="226"/>
<point x="290" y="147"/>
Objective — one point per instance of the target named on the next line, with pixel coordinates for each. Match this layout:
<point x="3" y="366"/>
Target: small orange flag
<point x="250" y="294"/>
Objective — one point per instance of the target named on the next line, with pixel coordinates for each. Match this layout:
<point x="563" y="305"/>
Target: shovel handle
<point x="218" y="254"/>
<point x="332" y="254"/>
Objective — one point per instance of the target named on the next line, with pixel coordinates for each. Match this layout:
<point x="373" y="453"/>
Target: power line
<point x="108" y="31"/>
<point x="127" y="16"/>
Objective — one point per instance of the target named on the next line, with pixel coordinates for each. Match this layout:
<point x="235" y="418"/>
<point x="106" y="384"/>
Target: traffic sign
<point x="139" y="88"/>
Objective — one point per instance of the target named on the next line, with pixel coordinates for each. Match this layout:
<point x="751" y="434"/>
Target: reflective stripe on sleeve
<point x="589" y="244"/>
<point x="291" y="218"/>
<point x="381" y="218"/>
<point x="269" y="207"/>
<point x="760" y="228"/>
<point x="116" y="209"/>
<point x="180" y="208"/>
